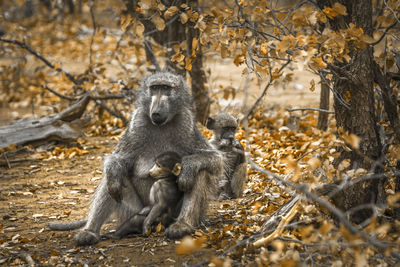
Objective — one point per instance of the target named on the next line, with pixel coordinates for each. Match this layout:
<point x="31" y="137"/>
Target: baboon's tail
<point x="64" y="226"/>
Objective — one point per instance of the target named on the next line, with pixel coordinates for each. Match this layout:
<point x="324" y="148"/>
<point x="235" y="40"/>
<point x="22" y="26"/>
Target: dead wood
<point x="274" y="224"/>
<point x="65" y="125"/>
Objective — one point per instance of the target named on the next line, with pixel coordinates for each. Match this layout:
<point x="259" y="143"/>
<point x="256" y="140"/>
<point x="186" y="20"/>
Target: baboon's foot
<point x="178" y="230"/>
<point x="111" y="235"/>
<point x="86" y="238"/>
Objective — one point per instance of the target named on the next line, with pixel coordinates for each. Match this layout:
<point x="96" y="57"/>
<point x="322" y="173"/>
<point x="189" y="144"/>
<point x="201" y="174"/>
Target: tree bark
<point x="354" y="107"/>
<point x="323" y="104"/>
<point x="199" y="91"/>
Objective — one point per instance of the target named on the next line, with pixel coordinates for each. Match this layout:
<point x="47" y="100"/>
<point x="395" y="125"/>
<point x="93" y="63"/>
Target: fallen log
<point x="65" y="125"/>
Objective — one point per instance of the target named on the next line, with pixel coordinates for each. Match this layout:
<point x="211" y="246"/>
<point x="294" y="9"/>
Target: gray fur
<point x="231" y="183"/>
<point x="126" y="184"/>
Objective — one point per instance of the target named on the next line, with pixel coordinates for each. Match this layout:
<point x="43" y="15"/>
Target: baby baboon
<point x="164" y="196"/>
<point x="162" y="121"/>
<point x="235" y="166"/>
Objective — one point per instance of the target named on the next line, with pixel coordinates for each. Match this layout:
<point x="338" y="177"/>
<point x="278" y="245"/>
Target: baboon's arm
<point x="209" y="160"/>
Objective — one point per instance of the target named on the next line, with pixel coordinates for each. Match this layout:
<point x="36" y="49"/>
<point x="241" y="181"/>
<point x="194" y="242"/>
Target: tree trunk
<point x="199" y="91"/>
<point x="323" y="104"/>
<point x="175" y="33"/>
<point x="354" y="106"/>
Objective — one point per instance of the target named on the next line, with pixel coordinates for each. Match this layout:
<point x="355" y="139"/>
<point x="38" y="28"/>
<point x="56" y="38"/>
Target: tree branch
<point x="335" y="211"/>
<point x="44" y="60"/>
<point x="313" y="109"/>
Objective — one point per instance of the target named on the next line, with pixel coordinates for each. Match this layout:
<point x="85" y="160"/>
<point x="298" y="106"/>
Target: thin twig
<point x="112" y="112"/>
<point x="45" y="61"/>
<point x="93" y="33"/>
<point x="384" y="33"/>
<point x="309" y="152"/>
<point x="251" y="110"/>
<point x="69" y="98"/>
<point x="8" y="162"/>
<point x="313" y="109"/>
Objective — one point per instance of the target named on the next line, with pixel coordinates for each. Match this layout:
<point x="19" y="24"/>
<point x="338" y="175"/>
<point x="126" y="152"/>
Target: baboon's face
<point x="164" y="95"/>
<point x="224" y="126"/>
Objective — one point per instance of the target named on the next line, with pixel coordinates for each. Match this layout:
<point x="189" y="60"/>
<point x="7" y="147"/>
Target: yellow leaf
<point x="170" y="12"/>
<point x="339" y="8"/>
<point x="125" y="22"/>
<point x="158" y="22"/>
<point x="188" y="64"/>
<point x="178" y="57"/>
<point x="183" y="17"/>
<point x="145" y="4"/>
<point x="54" y="252"/>
<point x="276" y="74"/>
<point x="159" y="227"/>
<point x="57" y="66"/>
<point x="139" y="29"/>
<point x="347" y="96"/>
<point x="312" y="83"/>
<point x="314" y="163"/>
<point x="320" y="62"/>
<point x="239" y="59"/>
<point x="189" y="245"/>
<point x="321" y="17"/>
<point x="325" y="228"/>
<point x="195" y="43"/>
<point x="276" y="31"/>
<point x="264" y="48"/>
<point x="352" y="140"/>
<point x="336" y="10"/>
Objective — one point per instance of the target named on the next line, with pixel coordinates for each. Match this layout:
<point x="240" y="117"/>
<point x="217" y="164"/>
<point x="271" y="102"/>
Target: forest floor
<point x="35" y="190"/>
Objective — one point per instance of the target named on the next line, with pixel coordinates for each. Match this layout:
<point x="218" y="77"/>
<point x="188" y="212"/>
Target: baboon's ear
<point x="177" y="169"/>
<point x="210" y="123"/>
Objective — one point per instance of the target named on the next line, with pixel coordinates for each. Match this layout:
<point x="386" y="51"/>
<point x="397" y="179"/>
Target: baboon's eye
<point x="229" y="129"/>
<point x="163" y="89"/>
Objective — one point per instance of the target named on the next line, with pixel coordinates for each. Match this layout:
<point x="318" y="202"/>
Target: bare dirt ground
<point x="35" y="192"/>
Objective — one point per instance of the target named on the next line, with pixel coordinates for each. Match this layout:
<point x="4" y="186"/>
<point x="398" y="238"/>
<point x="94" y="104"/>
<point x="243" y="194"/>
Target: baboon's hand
<point x="114" y="187"/>
<point x="186" y="179"/>
<point x="146" y="228"/>
<point x="237" y="145"/>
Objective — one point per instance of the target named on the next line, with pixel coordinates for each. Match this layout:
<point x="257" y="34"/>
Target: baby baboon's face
<point x="166" y="165"/>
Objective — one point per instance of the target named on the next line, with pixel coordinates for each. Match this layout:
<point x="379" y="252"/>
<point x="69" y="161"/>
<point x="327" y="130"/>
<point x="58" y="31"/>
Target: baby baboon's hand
<point x="114" y="187"/>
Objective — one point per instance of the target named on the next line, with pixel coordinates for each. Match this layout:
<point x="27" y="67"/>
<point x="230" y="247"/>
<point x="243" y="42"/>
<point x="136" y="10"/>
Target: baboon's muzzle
<point x="157" y="118"/>
<point x="159" y="109"/>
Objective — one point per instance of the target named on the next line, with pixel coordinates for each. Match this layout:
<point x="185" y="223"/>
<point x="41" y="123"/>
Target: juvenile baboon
<point x="162" y="121"/>
<point x="233" y="179"/>
<point x="164" y="197"/>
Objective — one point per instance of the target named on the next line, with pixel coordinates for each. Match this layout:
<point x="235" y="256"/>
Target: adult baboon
<point x="163" y="120"/>
<point x="232" y="182"/>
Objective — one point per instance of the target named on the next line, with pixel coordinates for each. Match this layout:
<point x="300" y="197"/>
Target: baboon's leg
<point x="102" y="206"/>
<point x="238" y="180"/>
<point x="131" y="226"/>
<point x="194" y="205"/>
<point x="155" y="212"/>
